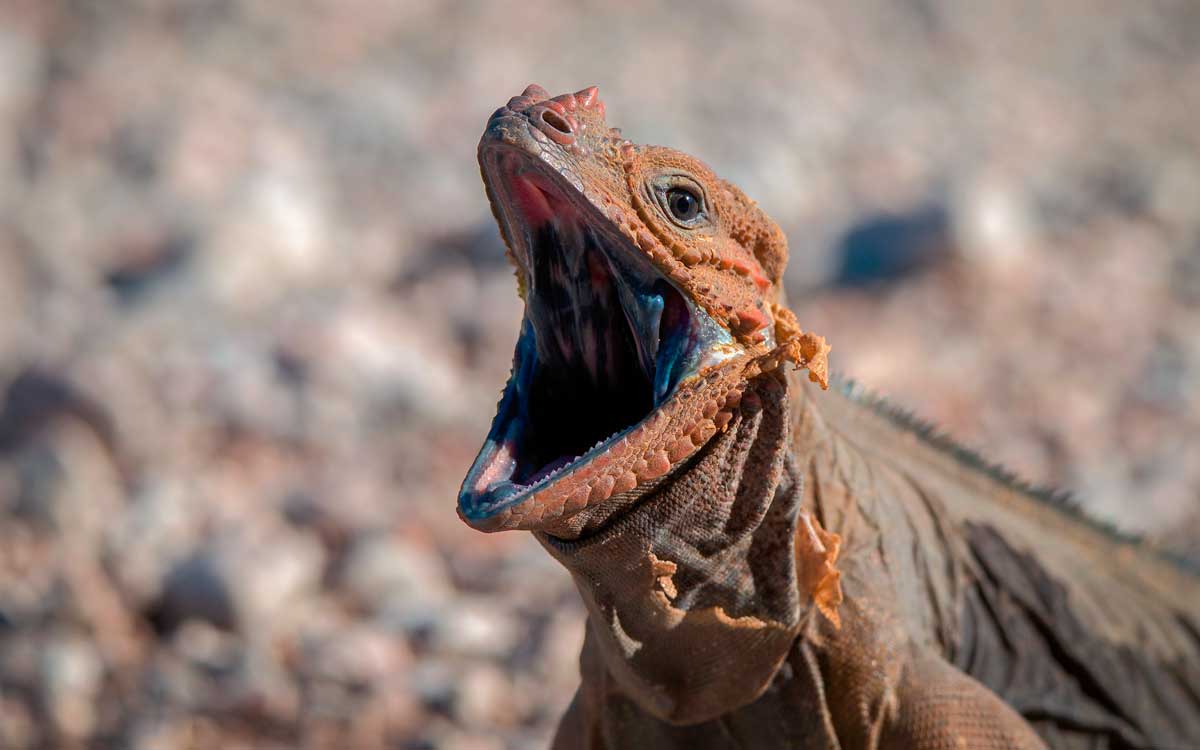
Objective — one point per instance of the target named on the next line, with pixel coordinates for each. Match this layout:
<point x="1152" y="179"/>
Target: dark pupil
<point x="683" y="204"/>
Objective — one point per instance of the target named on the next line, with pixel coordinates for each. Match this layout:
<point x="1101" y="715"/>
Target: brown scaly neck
<point x="693" y="594"/>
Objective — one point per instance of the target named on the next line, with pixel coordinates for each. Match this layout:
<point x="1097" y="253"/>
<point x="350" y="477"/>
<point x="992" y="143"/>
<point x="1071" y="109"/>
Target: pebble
<point x="236" y="583"/>
<point x="381" y="569"/>
<point x="71" y="671"/>
<point x="484" y="698"/>
<point x="477" y="628"/>
<point x="361" y="654"/>
<point x="17" y="728"/>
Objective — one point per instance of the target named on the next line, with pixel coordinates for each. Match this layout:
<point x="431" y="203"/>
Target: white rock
<point x="71" y="670"/>
<point x="381" y="568"/>
<point x="242" y="583"/>
<point x="476" y="628"/>
<point x="993" y="225"/>
<point x="361" y="654"/>
<point x="484" y="698"/>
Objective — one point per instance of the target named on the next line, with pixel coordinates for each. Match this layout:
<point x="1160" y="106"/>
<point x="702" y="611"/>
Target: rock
<point x="284" y="219"/>
<point x="262" y="690"/>
<point x="71" y="671"/>
<point x="478" y="628"/>
<point x="484" y="698"/>
<point x="394" y="367"/>
<point x="172" y="681"/>
<point x="64" y="442"/>
<point x="403" y="713"/>
<point x="204" y="646"/>
<point x="251" y="393"/>
<point x="433" y="681"/>
<point x="560" y="647"/>
<point x="1176" y="190"/>
<point x="239" y="583"/>
<point x="13" y="296"/>
<point x="458" y="740"/>
<point x="993" y="226"/>
<point x="381" y="569"/>
<point x="360" y="655"/>
<point x="887" y="248"/>
<point x="16" y="724"/>
<point x="197" y="588"/>
<point x="163" y="733"/>
<point x="160" y="523"/>
<point x="275" y="577"/>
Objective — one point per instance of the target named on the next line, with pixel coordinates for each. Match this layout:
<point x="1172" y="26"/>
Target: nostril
<point x="556" y="121"/>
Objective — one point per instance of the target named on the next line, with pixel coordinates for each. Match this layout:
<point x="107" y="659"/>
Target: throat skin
<point x="700" y="570"/>
<point x="971" y="609"/>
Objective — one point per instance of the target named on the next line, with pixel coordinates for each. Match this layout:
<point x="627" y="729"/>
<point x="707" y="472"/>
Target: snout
<point x="560" y="119"/>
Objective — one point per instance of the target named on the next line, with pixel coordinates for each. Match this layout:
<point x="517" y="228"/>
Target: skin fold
<point x="766" y="563"/>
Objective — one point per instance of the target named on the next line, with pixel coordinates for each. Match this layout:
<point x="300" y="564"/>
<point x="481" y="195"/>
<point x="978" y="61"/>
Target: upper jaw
<point x="609" y="360"/>
<point x="511" y="132"/>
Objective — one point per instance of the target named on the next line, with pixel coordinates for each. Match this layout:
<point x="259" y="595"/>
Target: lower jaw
<point x="580" y="382"/>
<point x="512" y="467"/>
<point x="610" y="475"/>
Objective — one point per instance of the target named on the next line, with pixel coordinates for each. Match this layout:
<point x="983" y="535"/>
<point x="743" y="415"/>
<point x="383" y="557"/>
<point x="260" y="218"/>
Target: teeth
<point x="717" y="354"/>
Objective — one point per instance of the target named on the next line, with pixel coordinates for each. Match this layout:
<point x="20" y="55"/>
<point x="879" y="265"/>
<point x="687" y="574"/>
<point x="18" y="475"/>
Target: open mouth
<point x="605" y="343"/>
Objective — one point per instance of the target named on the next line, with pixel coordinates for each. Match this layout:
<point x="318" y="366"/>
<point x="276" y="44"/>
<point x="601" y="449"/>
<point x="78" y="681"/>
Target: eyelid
<point x="675" y="179"/>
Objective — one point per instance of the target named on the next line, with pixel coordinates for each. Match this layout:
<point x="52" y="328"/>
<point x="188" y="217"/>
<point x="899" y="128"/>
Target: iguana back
<point x="1093" y="637"/>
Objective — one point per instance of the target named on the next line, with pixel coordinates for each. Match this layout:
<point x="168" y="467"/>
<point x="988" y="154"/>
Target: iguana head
<point x="652" y="294"/>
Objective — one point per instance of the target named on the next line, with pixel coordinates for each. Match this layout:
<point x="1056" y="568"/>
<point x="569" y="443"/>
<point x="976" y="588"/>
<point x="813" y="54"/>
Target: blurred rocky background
<point x="254" y="317"/>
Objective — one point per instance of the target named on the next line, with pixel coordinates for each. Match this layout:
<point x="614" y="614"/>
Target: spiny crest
<point x="1058" y="499"/>
<point x="1061" y="500"/>
<point x="944" y="442"/>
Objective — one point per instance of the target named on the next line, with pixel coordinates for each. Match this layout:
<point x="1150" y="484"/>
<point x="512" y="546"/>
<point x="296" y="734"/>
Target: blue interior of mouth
<point x="585" y="371"/>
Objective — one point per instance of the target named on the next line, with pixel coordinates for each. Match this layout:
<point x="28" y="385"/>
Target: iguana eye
<point x="680" y="199"/>
<point x="683" y="204"/>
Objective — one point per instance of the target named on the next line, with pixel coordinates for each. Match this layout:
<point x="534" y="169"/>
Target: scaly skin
<point x="732" y="268"/>
<point x="767" y="565"/>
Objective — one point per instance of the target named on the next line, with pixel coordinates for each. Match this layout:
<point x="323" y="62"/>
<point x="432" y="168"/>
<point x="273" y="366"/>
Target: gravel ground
<point x="254" y="318"/>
